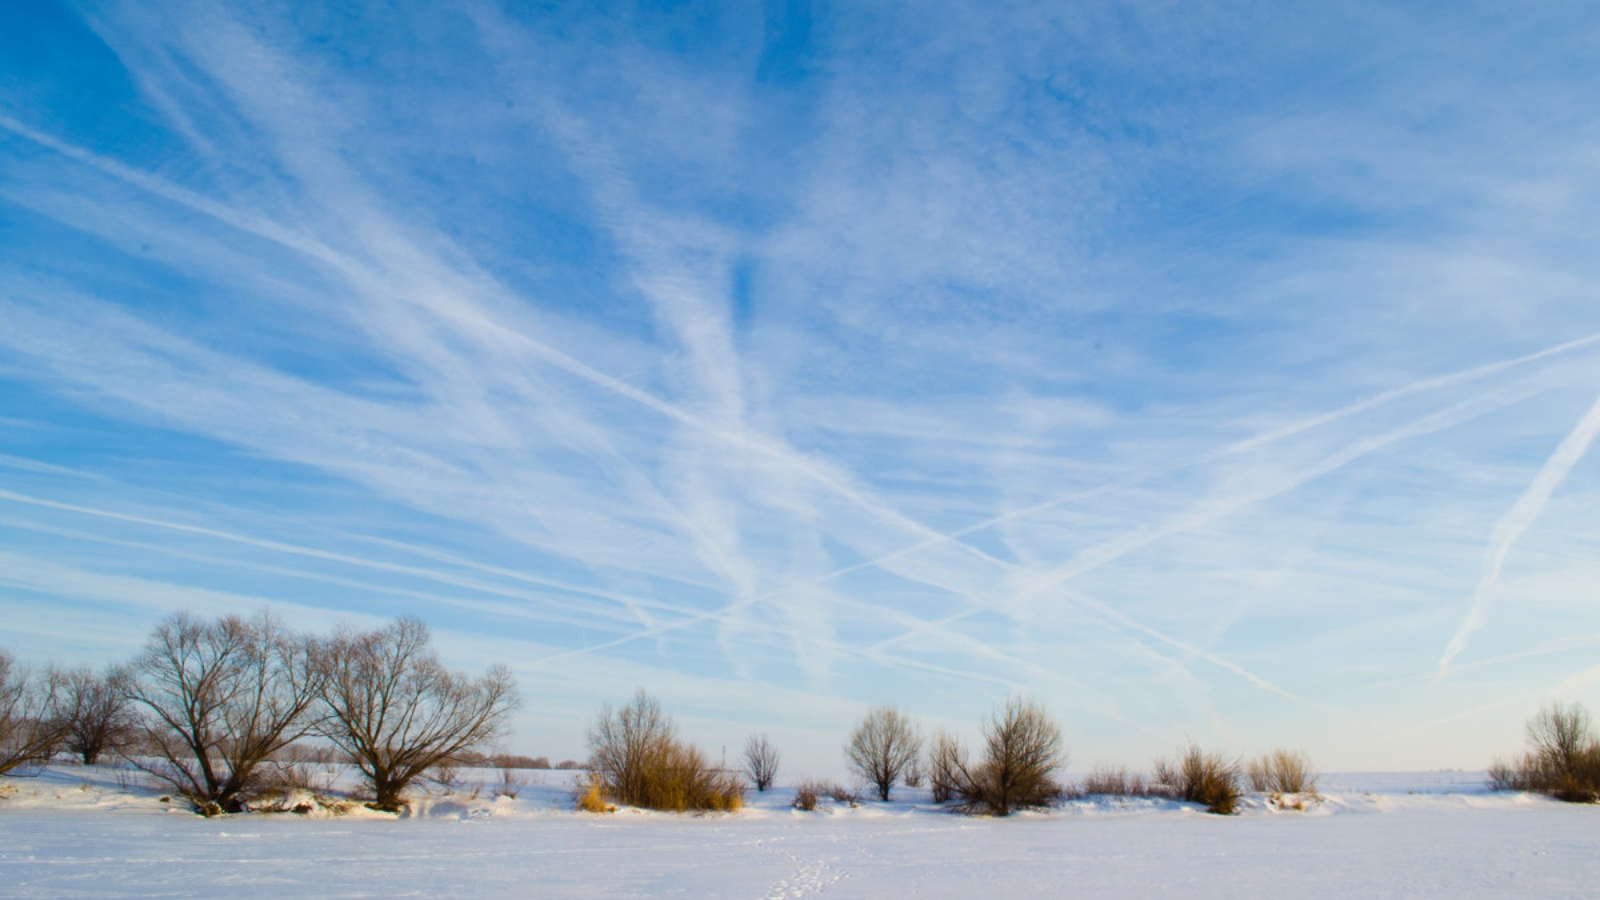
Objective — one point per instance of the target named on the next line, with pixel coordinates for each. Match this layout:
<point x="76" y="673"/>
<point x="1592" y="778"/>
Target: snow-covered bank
<point x="88" y="833"/>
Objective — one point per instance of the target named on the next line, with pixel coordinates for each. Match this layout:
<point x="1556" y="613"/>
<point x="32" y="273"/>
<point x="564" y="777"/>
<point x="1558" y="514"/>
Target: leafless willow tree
<point x="98" y="716"/>
<point x="391" y="704"/>
<point x="882" y="746"/>
<point x="219" y="698"/>
<point x="31" y="725"/>
<point x="760" y="761"/>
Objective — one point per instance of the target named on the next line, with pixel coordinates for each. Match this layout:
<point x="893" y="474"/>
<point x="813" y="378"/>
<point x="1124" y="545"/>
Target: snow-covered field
<point x="90" y="833"/>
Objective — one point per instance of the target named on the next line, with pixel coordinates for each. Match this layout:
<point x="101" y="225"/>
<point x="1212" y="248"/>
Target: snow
<point x="95" y="832"/>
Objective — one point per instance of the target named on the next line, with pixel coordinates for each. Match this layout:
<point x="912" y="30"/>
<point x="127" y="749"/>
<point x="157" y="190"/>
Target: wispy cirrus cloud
<point x="1174" y="366"/>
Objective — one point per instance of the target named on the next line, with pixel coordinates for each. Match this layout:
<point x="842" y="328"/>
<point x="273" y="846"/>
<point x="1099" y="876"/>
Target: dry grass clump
<point x="587" y="798"/>
<point x="1282" y="771"/>
<point x="637" y="759"/>
<point x="1564" y="759"/>
<point x="1199" y="777"/>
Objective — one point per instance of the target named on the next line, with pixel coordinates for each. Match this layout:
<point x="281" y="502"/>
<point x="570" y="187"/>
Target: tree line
<point x="209" y="703"/>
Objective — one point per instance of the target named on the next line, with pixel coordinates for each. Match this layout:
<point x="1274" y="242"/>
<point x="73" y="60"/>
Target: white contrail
<point x="1523" y="514"/>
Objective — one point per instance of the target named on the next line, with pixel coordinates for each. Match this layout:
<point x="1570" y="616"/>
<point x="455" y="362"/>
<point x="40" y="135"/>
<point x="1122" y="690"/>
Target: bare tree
<point x="98" y="716"/>
<point x="946" y="761"/>
<point x="627" y="744"/>
<point x="31" y="725"/>
<point x="390" y="704"/>
<point x="1022" y="753"/>
<point x="760" y="761"/>
<point x="635" y="758"/>
<point x="218" y="699"/>
<point x="882" y="746"/>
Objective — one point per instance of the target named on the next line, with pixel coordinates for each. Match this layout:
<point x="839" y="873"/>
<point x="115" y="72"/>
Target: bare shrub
<point x="1563" y="760"/>
<point x="511" y="783"/>
<point x="1022" y="753"/>
<point x="760" y="761"/>
<point x="808" y="792"/>
<point x="946" y="760"/>
<point x="881" y="748"/>
<point x="805" y="796"/>
<point x="1114" y="781"/>
<point x="31" y="722"/>
<point x="398" y="712"/>
<point x="1282" y="771"/>
<point x="637" y="759"/>
<point x="841" y="794"/>
<point x="217" y="700"/>
<point x="98" y="716"/>
<point x="1210" y="779"/>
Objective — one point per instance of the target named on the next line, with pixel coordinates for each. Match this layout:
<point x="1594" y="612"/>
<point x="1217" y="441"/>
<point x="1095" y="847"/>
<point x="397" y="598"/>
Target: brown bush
<point x="1564" y="759"/>
<point x="1199" y="777"/>
<point x="1022" y="753"/>
<point x="1282" y="772"/>
<point x="637" y="759"/>
<point x="805" y="796"/>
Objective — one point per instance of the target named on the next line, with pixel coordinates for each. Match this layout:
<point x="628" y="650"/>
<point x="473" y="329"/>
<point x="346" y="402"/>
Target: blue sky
<point x="1209" y="370"/>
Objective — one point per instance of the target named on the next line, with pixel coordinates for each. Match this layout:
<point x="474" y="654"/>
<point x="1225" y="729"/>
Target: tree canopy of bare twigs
<point x="217" y="699"/>
<point x="391" y="704"/>
<point x="881" y="748"/>
<point x="760" y="761"/>
<point x="95" y="707"/>
<point x="31" y="724"/>
<point x="1560" y="735"/>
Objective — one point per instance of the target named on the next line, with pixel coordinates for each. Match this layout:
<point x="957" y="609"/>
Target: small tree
<point x="31" y="725"/>
<point x="391" y="705"/>
<point x="218" y="699"/>
<point x="1022" y="753"/>
<point x="760" y="761"/>
<point x="635" y="758"/>
<point x="95" y="707"/>
<point x="882" y="746"/>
